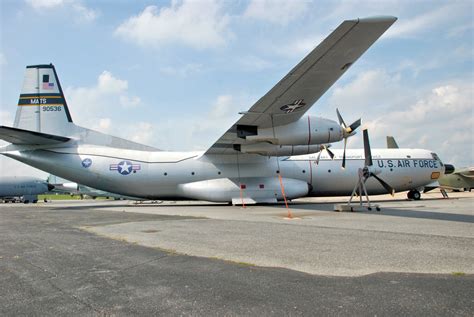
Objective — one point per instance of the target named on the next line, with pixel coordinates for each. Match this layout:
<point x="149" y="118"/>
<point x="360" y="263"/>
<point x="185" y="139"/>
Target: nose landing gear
<point x="414" y="194"/>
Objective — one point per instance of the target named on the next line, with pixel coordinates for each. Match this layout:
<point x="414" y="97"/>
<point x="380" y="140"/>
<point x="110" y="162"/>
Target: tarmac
<point x="115" y="258"/>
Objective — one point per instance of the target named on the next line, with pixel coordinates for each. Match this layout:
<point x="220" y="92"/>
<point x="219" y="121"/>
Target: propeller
<point x="326" y="148"/>
<point x="367" y="170"/>
<point x="347" y="132"/>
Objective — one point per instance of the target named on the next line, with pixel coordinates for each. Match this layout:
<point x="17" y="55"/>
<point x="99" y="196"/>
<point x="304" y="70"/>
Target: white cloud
<point x="84" y="13"/>
<point x="199" y="24"/>
<point x="440" y="118"/>
<point x="223" y="107"/>
<point x="300" y="46"/>
<point x="191" y="133"/>
<point x="368" y="90"/>
<point x="108" y="84"/>
<point x="130" y="102"/>
<point x="80" y="11"/>
<point x="104" y="125"/>
<point x="440" y="17"/>
<point x="276" y="11"/>
<point x="45" y="4"/>
<point x="100" y="100"/>
<point x="142" y="132"/>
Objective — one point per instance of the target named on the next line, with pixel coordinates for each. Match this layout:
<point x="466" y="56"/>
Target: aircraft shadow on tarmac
<point x="298" y="206"/>
<point x="423" y="215"/>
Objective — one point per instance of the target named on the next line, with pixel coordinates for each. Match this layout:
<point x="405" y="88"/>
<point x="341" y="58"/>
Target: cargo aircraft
<point x="269" y="154"/>
<point x="24" y="189"/>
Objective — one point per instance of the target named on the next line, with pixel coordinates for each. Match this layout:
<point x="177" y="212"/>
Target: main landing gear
<point x="414" y="194"/>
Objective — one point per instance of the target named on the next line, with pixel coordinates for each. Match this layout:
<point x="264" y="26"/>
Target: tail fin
<point x="42" y="106"/>
<point x="391" y="143"/>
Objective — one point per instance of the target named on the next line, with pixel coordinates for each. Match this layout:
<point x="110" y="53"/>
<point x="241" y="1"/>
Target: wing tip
<point x="377" y="19"/>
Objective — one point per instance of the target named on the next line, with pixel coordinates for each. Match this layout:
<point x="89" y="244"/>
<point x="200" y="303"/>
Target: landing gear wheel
<point x="414" y="194"/>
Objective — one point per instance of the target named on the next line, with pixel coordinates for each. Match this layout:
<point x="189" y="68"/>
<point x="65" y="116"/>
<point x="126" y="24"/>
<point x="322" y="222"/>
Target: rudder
<point x="42" y="106"/>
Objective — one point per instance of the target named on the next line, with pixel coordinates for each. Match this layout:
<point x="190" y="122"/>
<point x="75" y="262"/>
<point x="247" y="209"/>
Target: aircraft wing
<point x="26" y="137"/>
<point x="466" y="172"/>
<point x="290" y="98"/>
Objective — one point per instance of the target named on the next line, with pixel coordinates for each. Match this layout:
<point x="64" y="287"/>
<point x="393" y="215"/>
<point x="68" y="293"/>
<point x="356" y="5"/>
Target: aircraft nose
<point x="448" y="169"/>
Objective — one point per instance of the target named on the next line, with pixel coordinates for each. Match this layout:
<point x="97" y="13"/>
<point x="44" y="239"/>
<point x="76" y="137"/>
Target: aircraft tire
<point x="416" y="195"/>
<point x="410" y="195"/>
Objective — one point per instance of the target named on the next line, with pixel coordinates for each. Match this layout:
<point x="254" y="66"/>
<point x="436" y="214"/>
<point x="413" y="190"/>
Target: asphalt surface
<point x="50" y="265"/>
<point x="429" y="236"/>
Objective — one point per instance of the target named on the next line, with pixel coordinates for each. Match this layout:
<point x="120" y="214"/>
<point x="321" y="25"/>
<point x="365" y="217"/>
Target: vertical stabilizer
<point x="391" y="143"/>
<point x="42" y="106"/>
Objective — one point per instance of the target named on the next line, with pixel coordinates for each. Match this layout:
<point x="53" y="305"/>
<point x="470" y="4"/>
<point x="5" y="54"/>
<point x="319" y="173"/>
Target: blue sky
<point x="174" y="74"/>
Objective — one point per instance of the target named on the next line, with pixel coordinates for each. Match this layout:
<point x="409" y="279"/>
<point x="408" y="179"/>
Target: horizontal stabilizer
<point x="26" y="137"/>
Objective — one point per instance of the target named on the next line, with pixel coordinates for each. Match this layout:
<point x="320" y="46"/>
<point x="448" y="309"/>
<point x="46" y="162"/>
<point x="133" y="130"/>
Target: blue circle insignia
<point x="86" y="162"/>
<point x="124" y="167"/>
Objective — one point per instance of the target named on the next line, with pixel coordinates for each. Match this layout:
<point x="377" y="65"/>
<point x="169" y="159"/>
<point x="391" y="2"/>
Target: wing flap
<point x="26" y="137"/>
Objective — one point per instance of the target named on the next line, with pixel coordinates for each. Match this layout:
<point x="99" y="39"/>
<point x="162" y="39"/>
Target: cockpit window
<point x="436" y="157"/>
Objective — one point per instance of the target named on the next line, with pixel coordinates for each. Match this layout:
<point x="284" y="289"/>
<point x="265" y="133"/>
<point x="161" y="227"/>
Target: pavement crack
<point x="144" y="263"/>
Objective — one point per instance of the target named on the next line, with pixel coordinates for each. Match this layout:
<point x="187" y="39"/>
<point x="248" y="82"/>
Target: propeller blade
<point x="344" y="154"/>
<point x="319" y="155"/>
<point x="389" y="188"/>
<point x="367" y="153"/>
<point x="331" y="154"/>
<point x="355" y="125"/>
<point x="341" y="121"/>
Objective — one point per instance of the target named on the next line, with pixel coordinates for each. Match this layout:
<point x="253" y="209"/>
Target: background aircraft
<point x="253" y="160"/>
<point x="460" y="179"/>
<point x="65" y="186"/>
<point x="24" y="189"/>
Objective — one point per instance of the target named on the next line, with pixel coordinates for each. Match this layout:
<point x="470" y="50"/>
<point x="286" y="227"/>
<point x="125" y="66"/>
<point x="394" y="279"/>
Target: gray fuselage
<point x="192" y="175"/>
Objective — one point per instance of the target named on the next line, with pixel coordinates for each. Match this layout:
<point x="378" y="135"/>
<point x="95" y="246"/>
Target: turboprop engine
<point x="308" y="130"/>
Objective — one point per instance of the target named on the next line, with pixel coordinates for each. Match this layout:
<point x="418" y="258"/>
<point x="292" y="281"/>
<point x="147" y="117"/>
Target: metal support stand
<point x="443" y="192"/>
<point x="361" y="190"/>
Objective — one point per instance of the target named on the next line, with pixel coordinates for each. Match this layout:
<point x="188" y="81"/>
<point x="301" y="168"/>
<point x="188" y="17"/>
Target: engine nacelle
<point x="66" y="187"/>
<point x="268" y="149"/>
<point x="261" y="189"/>
<point x="308" y="130"/>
